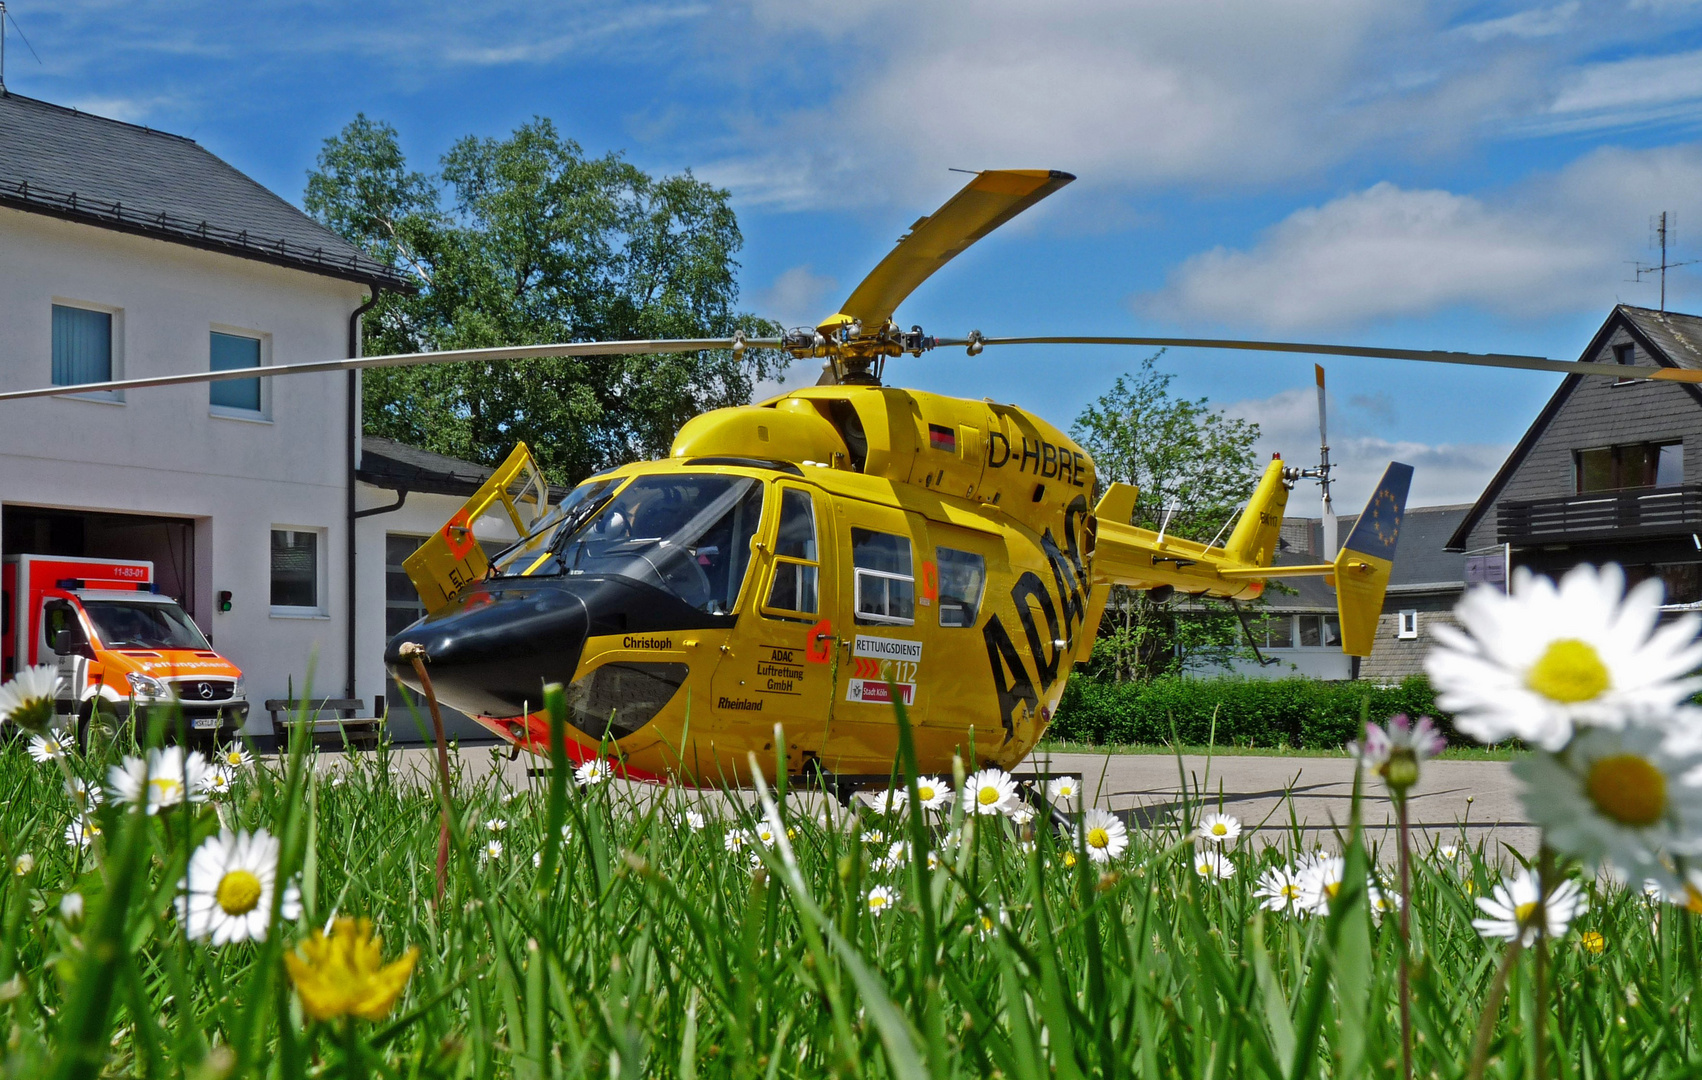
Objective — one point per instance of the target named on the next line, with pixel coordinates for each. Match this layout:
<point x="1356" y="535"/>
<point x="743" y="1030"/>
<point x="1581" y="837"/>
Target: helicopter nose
<point x="494" y="652"/>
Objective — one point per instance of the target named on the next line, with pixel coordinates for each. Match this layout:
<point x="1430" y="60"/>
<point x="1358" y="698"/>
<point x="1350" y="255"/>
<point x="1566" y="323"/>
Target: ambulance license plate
<point x="204" y="723"/>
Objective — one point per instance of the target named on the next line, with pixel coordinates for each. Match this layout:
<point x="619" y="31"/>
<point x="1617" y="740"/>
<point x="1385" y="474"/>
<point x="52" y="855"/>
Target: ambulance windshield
<point x="129" y="625"/>
<point x="689" y="535"/>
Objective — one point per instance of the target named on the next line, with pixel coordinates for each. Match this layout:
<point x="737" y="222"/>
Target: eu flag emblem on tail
<point x="1379" y="527"/>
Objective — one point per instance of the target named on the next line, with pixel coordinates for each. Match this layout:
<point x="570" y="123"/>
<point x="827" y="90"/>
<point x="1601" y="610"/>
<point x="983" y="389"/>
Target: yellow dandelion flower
<point x="1592" y="941"/>
<point x="344" y="974"/>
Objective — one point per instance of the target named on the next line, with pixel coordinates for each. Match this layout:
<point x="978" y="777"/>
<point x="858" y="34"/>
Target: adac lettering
<point x="1044" y="459"/>
<point x="1012" y="682"/>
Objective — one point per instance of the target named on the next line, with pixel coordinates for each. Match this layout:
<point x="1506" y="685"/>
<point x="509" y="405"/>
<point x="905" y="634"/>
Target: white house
<point x="127" y="252"/>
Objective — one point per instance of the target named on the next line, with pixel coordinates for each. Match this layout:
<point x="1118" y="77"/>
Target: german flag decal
<point x="942" y="438"/>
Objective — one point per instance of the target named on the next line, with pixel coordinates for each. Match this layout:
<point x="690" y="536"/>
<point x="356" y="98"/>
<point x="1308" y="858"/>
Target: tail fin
<point x="1366" y="559"/>
<point x="1254" y="540"/>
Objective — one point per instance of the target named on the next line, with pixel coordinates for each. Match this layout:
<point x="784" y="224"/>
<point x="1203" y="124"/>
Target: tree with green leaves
<point x="526" y="240"/>
<point x="1194" y="467"/>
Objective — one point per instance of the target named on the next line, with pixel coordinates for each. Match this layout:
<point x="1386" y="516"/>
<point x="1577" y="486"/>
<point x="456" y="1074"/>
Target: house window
<point x="297" y="571"/>
<point x="1279" y="631"/>
<point x="235" y="352"/>
<point x="402" y="604"/>
<point x="1633" y="465"/>
<point x="796" y="563"/>
<point x="884" y="584"/>
<point x="82" y="345"/>
<point x="1318" y="631"/>
<point x="1408" y="628"/>
<point x="963" y="576"/>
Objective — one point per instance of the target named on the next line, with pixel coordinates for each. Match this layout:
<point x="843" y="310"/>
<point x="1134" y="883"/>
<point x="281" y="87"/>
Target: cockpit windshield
<point x="689" y="535"/>
<point x="533" y="550"/>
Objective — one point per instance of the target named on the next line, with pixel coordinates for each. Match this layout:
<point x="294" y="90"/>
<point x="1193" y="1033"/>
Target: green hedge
<point x="1296" y="712"/>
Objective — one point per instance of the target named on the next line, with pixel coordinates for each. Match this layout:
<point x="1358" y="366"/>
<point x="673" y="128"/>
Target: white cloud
<point x="1627" y="93"/>
<point x="1443" y="473"/>
<point x="798" y="297"/>
<point x="1530" y="23"/>
<point x="1556" y="243"/>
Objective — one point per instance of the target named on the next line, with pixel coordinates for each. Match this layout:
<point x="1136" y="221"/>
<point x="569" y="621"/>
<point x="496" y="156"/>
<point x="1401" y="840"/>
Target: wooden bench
<point x="332" y="722"/>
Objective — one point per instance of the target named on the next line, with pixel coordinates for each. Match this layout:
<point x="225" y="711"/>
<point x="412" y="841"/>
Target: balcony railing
<point x="1600" y="515"/>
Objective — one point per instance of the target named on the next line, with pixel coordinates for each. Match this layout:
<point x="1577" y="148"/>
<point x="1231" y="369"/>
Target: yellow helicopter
<point x="798" y="561"/>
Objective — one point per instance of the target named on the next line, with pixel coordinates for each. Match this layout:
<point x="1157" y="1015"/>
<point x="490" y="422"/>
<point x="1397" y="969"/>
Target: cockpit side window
<point x="797" y="565"/>
<point x="687" y="534"/>
<point x="884" y="582"/>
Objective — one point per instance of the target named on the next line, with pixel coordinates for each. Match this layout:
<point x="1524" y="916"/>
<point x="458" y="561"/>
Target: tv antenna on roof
<point x="6" y="16"/>
<point x="1659" y="226"/>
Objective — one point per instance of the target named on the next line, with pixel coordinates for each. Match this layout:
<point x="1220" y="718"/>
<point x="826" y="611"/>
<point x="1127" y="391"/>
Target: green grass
<point x="1453" y="753"/>
<point x="642" y="947"/>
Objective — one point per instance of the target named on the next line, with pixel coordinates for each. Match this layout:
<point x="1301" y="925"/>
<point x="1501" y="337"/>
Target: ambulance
<point x="115" y="641"/>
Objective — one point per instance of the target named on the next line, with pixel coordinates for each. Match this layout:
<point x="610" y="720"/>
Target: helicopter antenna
<point x="1659" y="227"/>
<point x="1165" y="524"/>
<point x="1322" y="472"/>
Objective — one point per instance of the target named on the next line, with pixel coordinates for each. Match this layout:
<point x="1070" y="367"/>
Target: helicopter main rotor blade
<point x="985" y="203"/>
<point x="1433" y="356"/>
<point x="447" y="356"/>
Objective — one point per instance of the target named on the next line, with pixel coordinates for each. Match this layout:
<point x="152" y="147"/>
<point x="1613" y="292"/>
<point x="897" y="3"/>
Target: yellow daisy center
<point x="1522" y="914"/>
<point x="924" y="793"/>
<point x="166" y="788"/>
<point x="1219" y="829"/>
<point x="238" y="892"/>
<point x="988" y="795"/>
<point x="1628" y="789"/>
<point x="1290" y="892"/>
<point x="1331" y="888"/>
<point x="1569" y="671"/>
<point x="233" y="758"/>
<point x="877" y="902"/>
<point x="1204" y="869"/>
<point x="1593" y="941"/>
<point x="1098" y="838"/>
<point x="1693" y="900"/>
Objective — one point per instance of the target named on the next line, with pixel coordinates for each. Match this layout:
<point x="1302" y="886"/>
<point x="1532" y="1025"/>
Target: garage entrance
<point x="167" y="542"/>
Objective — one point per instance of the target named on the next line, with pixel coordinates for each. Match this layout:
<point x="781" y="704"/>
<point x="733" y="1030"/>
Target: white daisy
<point x="1219" y="828"/>
<point x="235" y="757"/>
<point x="1449" y="852"/>
<point x="990" y="791"/>
<point x="985" y="927"/>
<point x="216" y="782"/>
<point x="71" y="909"/>
<point x="1396" y="751"/>
<point x="1382" y="903"/>
<point x="1277" y="890"/>
<point x="694" y="820"/>
<point x="1065" y="790"/>
<point x="48" y="746"/>
<point x="1104" y="835"/>
<point x="765" y="833"/>
<point x="897" y="854"/>
<point x="874" y="836"/>
<point x="1512" y="910"/>
<point x="81" y="832"/>
<point x="1213" y="865"/>
<point x="1319" y="884"/>
<point x="166" y="777"/>
<point x="537" y="860"/>
<point x="496" y="824"/>
<point x="509" y="796"/>
<point x="25" y="863"/>
<point x="893" y="800"/>
<point x="491" y="851"/>
<point x="931" y="792"/>
<point x="227" y="894"/>
<point x="28" y="699"/>
<point x="592" y="772"/>
<point x="735" y="840"/>
<point x="1620" y="798"/>
<point x="83" y="795"/>
<point x="934" y="860"/>
<point x="879" y="899"/>
<point x="1548" y="658"/>
<point x="1021" y="813"/>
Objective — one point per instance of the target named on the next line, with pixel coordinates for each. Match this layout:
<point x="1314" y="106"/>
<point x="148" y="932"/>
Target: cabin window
<point x="963" y="576"/>
<point x="1633" y="465"/>
<point x="797" y="566"/>
<point x="885" y="585"/>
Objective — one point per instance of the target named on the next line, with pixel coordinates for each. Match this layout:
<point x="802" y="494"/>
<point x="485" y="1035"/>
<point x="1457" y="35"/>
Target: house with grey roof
<point x="1609" y="469"/>
<point x="128" y="252"/>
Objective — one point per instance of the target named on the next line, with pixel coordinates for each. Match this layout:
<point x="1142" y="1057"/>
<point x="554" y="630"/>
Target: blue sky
<point x="1474" y="176"/>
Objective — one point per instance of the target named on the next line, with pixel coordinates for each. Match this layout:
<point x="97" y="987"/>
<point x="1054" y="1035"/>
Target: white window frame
<point x="1406" y="628"/>
<point x="103" y="397"/>
<point x="263" y="415"/>
<point x="862" y="574"/>
<point x="321" y="577"/>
